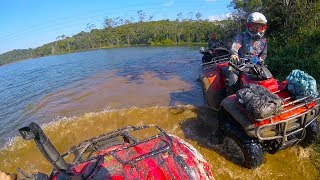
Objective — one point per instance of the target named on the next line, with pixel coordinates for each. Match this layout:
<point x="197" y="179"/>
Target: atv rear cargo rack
<point x="109" y="139"/>
<point x="293" y="125"/>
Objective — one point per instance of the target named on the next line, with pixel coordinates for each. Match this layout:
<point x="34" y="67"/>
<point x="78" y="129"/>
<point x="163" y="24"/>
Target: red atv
<point x="247" y="136"/>
<point x="122" y="154"/>
<point x="213" y="53"/>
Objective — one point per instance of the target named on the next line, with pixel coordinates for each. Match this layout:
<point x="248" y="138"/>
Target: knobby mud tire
<point x="312" y="132"/>
<point x="251" y="148"/>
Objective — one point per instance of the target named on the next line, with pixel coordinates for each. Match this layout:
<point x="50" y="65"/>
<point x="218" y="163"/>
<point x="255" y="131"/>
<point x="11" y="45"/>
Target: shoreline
<point x="125" y="46"/>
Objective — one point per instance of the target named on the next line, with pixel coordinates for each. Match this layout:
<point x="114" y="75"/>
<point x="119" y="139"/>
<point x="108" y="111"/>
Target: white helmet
<point x="256" y="18"/>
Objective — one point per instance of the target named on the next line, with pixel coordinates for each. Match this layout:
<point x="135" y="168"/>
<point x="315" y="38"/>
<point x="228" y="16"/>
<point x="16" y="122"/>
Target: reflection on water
<point x="80" y="95"/>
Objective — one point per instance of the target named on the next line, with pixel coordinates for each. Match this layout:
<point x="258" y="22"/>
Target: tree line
<point x="118" y="32"/>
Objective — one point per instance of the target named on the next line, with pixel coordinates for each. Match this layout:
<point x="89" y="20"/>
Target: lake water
<point x="80" y="95"/>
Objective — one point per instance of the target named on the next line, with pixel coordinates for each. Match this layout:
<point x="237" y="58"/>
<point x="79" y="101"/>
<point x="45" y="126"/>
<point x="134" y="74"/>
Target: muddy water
<point x="144" y="91"/>
<point x="182" y="121"/>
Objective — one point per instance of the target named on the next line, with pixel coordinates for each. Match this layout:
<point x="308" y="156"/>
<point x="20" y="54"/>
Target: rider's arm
<point x="263" y="54"/>
<point x="236" y="45"/>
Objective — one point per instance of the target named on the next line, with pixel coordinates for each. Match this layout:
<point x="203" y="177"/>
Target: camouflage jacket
<point x="243" y="46"/>
<point x="214" y="43"/>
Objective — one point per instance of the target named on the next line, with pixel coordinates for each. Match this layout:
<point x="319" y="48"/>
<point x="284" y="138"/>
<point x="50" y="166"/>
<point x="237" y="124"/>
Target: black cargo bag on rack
<point x="258" y="101"/>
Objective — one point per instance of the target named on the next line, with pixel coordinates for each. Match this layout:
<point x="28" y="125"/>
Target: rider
<point x="213" y="44"/>
<point x="250" y="44"/>
<point x="213" y="41"/>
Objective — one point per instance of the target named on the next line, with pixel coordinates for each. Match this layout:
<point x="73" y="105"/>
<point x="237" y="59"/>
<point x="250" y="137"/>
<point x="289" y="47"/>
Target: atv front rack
<point x="293" y="126"/>
<point x="298" y="103"/>
<point x="217" y="60"/>
<point x="127" y="140"/>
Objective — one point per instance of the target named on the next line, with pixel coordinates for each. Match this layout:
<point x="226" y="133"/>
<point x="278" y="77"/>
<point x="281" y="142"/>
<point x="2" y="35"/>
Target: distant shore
<point x="124" y="46"/>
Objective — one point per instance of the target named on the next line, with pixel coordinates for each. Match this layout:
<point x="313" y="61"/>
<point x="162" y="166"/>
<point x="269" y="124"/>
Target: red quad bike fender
<point x="185" y="162"/>
<point x="121" y="154"/>
<point x="213" y="84"/>
<point x="271" y="84"/>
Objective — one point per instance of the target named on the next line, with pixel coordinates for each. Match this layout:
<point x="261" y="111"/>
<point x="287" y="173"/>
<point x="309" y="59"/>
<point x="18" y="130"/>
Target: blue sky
<point x="32" y="23"/>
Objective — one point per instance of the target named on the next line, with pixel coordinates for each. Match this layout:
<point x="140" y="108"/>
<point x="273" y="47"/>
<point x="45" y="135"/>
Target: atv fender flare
<point x="212" y="98"/>
<point x="239" y="116"/>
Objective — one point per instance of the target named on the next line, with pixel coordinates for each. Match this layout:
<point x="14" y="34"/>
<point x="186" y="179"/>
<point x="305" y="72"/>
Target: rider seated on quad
<point x="249" y="43"/>
<point x="214" y="43"/>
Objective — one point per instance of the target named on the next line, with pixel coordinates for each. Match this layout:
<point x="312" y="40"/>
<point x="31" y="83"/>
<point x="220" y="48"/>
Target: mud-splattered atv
<point x="210" y="54"/>
<point x="122" y="154"/>
<point x="246" y="136"/>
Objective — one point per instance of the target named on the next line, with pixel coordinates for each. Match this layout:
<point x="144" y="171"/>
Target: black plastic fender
<point x="239" y="116"/>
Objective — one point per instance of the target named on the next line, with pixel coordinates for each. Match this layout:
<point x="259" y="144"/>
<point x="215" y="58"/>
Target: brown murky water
<point x="182" y="121"/>
<point x="116" y="92"/>
<point x="106" y="101"/>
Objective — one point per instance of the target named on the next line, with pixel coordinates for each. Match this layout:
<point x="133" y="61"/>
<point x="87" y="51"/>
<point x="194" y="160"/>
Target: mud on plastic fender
<point x="213" y="97"/>
<point x="199" y="169"/>
<point x="231" y="107"/>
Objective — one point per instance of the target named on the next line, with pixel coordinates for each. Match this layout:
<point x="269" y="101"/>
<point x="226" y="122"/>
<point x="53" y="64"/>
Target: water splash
<point x="183" y="121"/>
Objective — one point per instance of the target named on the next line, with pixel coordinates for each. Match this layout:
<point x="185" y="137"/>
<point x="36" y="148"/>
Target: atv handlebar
<point x="244" y="65"/>
<point x="259" y="71"/>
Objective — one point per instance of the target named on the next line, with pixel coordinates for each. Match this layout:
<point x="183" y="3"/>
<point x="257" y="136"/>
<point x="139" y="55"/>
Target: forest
<point x="293" y="34"/>
<point x="125" y="33"/>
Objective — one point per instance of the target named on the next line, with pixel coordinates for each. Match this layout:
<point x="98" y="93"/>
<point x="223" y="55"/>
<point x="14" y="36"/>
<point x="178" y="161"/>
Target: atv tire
<point x="311" y="134"/>
<point x="246" y="151"/>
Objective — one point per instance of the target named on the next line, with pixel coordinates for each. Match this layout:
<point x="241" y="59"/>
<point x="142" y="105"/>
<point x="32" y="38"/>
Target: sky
<point x="32" y="23"/>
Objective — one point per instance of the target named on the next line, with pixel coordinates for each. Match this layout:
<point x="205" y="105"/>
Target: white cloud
<point x="169" y="3"/>
<point x="219" y="17"/>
